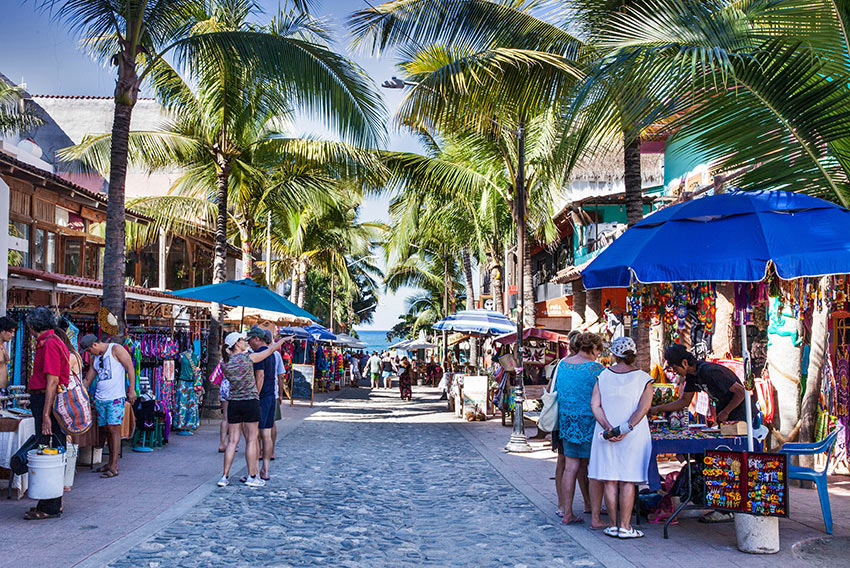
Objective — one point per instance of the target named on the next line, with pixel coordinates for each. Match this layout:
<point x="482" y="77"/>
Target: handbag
<point x="19" y="461"/>
<point x="72" y="409"/>
<point x="548" y="419"/>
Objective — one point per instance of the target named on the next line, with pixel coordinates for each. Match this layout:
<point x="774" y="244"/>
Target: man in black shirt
<point x="722" y="385"/>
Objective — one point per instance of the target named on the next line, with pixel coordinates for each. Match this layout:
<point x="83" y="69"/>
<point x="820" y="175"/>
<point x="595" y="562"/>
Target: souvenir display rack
<point x="746" y="482"/>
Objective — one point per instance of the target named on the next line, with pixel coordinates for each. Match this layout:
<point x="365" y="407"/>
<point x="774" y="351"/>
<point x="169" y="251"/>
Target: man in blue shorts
<point x="259" y="339"/>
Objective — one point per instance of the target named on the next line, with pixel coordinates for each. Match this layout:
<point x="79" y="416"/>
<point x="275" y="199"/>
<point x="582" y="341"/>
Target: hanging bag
<point x="548" y="419"/>
<point x="19" y="461"/>
<point x="72" y="409"/>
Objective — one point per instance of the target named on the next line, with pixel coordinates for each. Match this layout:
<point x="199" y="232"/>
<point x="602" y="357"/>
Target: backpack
<point x="72" y="409"/>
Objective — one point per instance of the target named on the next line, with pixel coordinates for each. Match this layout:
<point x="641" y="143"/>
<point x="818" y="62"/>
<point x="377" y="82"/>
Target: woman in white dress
<point x="621" y="399"/>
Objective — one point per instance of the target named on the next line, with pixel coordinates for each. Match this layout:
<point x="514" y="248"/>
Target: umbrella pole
<point x="242" y="318"/>
<point x="745" y="353"/>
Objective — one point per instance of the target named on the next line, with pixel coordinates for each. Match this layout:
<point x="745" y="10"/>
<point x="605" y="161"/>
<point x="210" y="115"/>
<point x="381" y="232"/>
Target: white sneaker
<point x="255" y="482"/>
<point x="223" y="482"/>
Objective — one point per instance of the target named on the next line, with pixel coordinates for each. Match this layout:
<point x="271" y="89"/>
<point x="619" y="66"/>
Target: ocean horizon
<point x="375" y="338"/>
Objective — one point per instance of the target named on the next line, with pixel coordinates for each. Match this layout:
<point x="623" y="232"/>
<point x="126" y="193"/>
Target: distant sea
<point x="376" y="338"/>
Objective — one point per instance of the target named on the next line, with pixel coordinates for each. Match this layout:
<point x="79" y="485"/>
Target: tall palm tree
<point x="139" y="37"/>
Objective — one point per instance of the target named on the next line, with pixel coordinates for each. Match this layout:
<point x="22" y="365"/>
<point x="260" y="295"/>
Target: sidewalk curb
<point x="120" y="547"/>
<point x="606" y="555"/>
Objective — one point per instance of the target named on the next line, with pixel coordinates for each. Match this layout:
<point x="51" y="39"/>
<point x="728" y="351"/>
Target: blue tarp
<point x="730" y="237"/>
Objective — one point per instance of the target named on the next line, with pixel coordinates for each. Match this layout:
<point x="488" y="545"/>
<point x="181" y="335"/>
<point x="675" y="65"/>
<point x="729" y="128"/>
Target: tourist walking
<point x="404" y="380"/>
<point x="243" y="406"/>
<point x="622" y="443"/>
<point x="575" y="377"/>
<point x="354" y="365"/>
<point x="49" y="371"/>
<point x="374" y="366"/>
<point x="265" y="374"/>
<point x="388" y="368"/>
<point x="433" y="371"/>
<point x="116" y="384"/>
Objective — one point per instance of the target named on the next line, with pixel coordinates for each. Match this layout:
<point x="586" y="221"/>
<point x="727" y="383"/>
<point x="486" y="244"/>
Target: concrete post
<point x="579" y="304"/>
<point x="593" y="310"/>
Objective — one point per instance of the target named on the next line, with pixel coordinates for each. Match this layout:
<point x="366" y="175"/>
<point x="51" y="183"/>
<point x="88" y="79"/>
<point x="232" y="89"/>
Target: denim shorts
<point x="109" y="411"/>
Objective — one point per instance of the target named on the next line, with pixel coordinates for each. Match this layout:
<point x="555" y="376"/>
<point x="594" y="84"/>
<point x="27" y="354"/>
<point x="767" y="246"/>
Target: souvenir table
<point x="687" y="442"/>
<point x="13" y="433"/>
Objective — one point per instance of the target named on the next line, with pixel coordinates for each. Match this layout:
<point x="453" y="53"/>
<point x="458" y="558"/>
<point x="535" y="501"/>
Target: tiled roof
<point x="59" y="180"/>
<point x="84" y="97"/>
<point x="32" y="273"/>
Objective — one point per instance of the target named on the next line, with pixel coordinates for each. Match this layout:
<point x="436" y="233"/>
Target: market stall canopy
<point x="417" y="344"/>
<point x="244" y="293"/>
<point x="401" y="344"/>
<point x="320" y="333"/>
<point x="298" y="332"/>
<point x="345" y="340"/>
<point x="532" y="332"/>
<point x="481" y="322"/>
<point x="732" y="237"/>
<point x="359" y="344"/>
<point x="254" y="316"/>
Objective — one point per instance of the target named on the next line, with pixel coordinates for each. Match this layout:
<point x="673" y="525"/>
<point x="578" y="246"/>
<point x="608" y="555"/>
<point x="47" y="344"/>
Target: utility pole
<point x="519" y="442"/>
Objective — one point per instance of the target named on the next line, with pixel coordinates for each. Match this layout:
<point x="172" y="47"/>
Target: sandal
<point x="102" y="469"/>
<point x="109" y="473"/>
<point x="631" y="533"/>
<point x="40" y="516"/>
<point x="613" y="532"/>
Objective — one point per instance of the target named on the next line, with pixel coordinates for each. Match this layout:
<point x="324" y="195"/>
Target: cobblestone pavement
<point x="366" y="481"/>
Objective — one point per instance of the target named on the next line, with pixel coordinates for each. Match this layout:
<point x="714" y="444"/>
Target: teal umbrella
<point x="245" y="293"/>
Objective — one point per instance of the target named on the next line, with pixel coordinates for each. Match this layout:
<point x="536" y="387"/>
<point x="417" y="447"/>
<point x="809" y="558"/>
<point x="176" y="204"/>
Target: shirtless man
<point x="8" y="328"/>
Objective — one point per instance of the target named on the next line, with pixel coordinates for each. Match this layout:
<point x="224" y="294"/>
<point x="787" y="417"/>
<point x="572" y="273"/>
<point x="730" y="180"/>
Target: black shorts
<point x="267" y="406"/>
<point x="239" y="411"/>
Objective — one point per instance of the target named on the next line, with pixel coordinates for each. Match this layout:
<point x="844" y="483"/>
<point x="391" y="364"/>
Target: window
<point x="94" y="262"/>
<point x="19" y="247"/>
<point x="44" y="257"/>
<point x="65" y="218"/>
<point x="73" y="257"/>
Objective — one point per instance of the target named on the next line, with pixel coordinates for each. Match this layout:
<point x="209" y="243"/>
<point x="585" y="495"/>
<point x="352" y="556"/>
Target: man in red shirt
<point x="49" y="370"/>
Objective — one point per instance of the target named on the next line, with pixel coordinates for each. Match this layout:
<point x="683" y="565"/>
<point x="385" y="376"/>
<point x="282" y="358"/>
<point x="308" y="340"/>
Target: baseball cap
<point x="257" y="332"/>
<point x="87" y="341"/>
<point x="232" y="338"/>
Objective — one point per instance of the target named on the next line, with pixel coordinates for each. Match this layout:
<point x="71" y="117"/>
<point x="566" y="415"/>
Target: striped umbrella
<point x="481" y="322"/>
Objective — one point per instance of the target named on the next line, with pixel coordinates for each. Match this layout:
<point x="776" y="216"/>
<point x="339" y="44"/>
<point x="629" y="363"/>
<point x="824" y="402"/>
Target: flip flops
<point x="39" y="516"/>
<point x="108" y="473"/>
<point x="631" y="533"/>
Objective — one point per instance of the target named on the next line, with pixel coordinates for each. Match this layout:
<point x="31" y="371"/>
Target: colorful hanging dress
<point x="188" y="388"/>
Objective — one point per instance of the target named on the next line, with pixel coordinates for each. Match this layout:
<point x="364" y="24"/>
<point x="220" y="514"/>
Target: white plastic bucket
<point x="47" y="475"/>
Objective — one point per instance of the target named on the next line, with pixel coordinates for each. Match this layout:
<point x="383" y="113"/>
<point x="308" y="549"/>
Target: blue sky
<point x="42" y="53"/>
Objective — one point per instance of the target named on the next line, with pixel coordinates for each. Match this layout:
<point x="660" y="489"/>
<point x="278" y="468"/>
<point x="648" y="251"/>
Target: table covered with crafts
<point x="14" y="431"/>
<point x="686" y="441"/>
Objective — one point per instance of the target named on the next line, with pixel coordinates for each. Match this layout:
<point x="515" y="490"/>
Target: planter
<point x="757" y="535"/>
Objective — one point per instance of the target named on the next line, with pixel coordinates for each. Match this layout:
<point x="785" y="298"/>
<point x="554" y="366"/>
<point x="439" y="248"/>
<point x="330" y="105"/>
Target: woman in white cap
<point x="243" y="407"/>
<point x="622" y="444"/>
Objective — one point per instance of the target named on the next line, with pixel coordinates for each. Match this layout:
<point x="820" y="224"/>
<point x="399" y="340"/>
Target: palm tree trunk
<point x="293" y="288"/>
<point x="114" y="257"/>
<point x="219" y="275"/>
<point x="809" y="411"/>
<point x="247" y="250"/>
<point x="496" y="271"/>
<point x="634" y="213"/>
<point x="784" y="353"/>
<point x="470" y="301"/>
<point x="302" y="282"/>
<point x="530" y="312"/>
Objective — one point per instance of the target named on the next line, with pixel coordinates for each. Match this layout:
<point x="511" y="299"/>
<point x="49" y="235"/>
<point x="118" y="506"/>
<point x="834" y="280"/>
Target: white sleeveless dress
<point x="628" y="459"/>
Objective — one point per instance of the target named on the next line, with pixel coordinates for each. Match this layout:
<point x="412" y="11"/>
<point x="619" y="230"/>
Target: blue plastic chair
<point x="808" y="474"/>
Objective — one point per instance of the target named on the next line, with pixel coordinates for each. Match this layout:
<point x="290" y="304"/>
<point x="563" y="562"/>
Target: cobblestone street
<point x="365" y="482"/>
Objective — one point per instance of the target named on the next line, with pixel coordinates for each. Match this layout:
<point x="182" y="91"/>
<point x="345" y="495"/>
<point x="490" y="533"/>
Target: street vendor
<point x="722" y="385"/>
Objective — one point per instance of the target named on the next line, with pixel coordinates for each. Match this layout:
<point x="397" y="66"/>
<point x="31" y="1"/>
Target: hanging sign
<point x="303" y="383"/>
<point x="744" y="482"/>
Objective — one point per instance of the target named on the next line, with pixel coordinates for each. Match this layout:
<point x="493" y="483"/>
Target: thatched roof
<point x="608" y="167"/>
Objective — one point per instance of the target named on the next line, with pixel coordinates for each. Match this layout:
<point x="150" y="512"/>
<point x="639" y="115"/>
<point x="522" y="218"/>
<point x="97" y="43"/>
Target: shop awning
<point x="534" y="332"/>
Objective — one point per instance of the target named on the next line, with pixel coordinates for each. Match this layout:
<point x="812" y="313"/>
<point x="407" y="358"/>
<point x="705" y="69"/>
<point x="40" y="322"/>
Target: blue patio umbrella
<point x="245" y="293"/>
<point x="732" y="237"/>
<point x="481" y="322"/>
<point x="298" y="332"/>
<point x="320" y="333"/>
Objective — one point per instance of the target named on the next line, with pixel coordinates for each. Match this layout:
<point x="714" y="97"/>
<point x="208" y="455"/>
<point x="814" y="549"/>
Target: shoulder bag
<point x="548" y="419"/>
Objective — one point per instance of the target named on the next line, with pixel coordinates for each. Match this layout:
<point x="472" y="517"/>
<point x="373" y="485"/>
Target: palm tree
<point x="16" y="116"/>
<point x="139" y="37"/>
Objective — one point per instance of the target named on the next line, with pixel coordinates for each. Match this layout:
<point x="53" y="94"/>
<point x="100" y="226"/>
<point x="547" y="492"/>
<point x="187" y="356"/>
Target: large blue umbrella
<point x="482" y="322"/>
<point x="298" y="332"/>
<point x="732" y="237"/>
<point x="244" y="293"/>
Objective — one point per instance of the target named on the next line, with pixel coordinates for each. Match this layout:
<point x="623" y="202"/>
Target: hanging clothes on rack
<point x="189" y="386"/>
